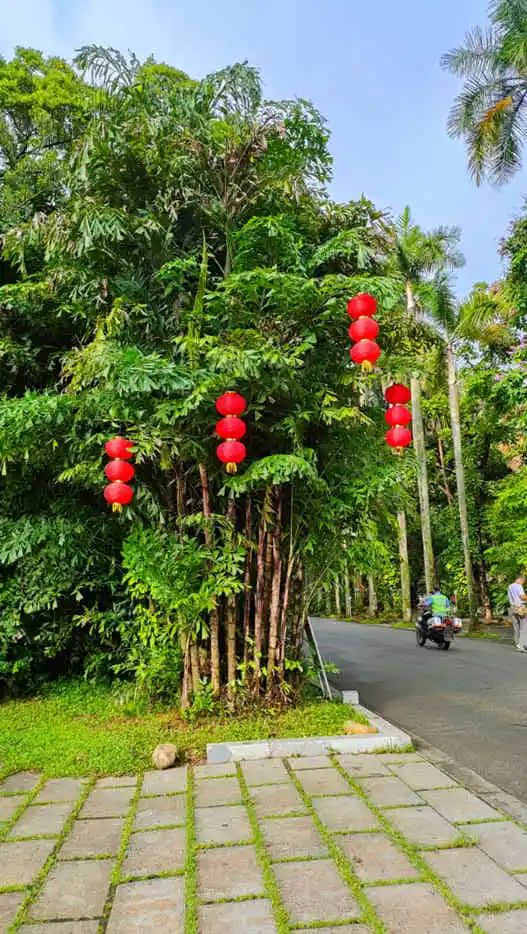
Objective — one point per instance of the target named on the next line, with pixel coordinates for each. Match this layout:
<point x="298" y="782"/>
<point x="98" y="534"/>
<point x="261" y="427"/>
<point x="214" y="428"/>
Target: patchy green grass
<point x="75" y="728"/>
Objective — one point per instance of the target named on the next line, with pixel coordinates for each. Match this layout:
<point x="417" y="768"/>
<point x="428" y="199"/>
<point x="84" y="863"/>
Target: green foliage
<point x="489" y="113"/>
<point x="72" y="728"/>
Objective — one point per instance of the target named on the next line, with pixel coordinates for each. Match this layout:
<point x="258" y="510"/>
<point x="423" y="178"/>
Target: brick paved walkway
<point x="369" y="843"/>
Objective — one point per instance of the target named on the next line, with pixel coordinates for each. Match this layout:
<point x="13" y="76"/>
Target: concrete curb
<point x="388" y="737"/>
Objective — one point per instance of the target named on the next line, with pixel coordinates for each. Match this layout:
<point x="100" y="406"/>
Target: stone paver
<point x="61" y="927"/>
<point x="159" y="812"/>
<point x="414" y="908"/>
<point x="230" y="882"/>
<point x="167" y="782"/>
<point x="74" y="890"/>
<point x="375" y="858"/>
<point x="506" y="922"/>
<point x="20" y="862"/>
<point x="345" y="813"/>
<point x="221" y="791"/>
<point x="107" y="802"/>
<point x="423" y="775"/>
<point x="9" y="904"/>
<point x="389" y="792"/>
<point x="363" y="765"/>
<point x="41" y="819"/>
<point x="424" y="826"/>
<point x="222" y="825"/>
<point x="117" y="781"/>
<point x="150" y="905"/>
<point x="458" y="804"/>
<point x="253" y="917"/>
<point x="59" y="789"/>
<point x="229" y="872"/>
<point x="314" y="891"/>
<point x="300" y="763"/>
<point x="398" y="757"/>
<point x="323" y="782"/>
<point x="270" y="800"/>
<point x="505" y="843"/>
<point x="264" y="771"/>
<point x="215" y="770"/>
<point x="8" y="806"/>
<point x="292" y="837"/>
<point x="19" y="782"/>
<point x="93" y="838"/>
<point x="154" y="852"/>
<point x="474" y="878"/>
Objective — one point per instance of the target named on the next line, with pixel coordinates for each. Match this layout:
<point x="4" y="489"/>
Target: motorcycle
<point x="439" y="629"/>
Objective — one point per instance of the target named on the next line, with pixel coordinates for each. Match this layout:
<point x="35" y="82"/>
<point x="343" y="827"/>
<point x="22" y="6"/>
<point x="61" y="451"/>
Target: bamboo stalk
<point x="274" y="606"/>
<point x="215" y="669"/>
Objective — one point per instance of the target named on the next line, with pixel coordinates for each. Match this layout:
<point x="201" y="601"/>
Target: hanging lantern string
<point x="230" y="429"/>
<point x="119" y="471"/>
<point x="364" y="330"/>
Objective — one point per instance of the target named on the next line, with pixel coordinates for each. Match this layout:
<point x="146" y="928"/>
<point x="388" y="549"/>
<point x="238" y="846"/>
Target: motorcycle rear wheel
<point x="446" y="646"/>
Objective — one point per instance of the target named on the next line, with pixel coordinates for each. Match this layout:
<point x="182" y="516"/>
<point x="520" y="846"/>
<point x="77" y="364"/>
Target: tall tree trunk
<point x="422" y="484"/>
<point x="406" y="600"/>
<point x="336" y="587"/>
<point x="247" y="591"/>
<point x="372" y="596"/>
<point x="194" y="666"/>
<point x="347" y="591"/>
<point x="327" y="602"/>
<point x="260" y="593"/>
<point x="274" y="605"/>
<point x="357" y="590"/>
<point x="231" y="613"/>
<point x="215" y="670"/>
<point x="455" y="421"/>
<point x="284" y="613"/>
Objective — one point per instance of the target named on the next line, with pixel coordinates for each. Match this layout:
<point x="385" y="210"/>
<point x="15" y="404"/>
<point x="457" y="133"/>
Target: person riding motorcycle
<point x="435" y="604"/>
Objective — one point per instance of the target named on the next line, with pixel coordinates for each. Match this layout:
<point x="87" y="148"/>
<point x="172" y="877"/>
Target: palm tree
<point x="443" y="313"/>
<point x="490" y="112"/>
<point x="418" y="257"/>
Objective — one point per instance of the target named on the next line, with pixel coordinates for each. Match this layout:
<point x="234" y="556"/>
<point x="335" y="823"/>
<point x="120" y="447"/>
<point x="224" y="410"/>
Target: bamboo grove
<point x="166" y="239"/>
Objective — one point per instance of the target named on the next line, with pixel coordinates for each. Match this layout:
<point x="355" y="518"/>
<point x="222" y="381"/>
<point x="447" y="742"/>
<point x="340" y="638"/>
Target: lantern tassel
<point x="117" y="507"/>
<point x="232" y="467"/>
<point x="367" y="366"/>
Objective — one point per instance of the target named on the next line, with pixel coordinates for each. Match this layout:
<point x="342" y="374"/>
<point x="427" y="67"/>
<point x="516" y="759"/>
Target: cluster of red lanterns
<point x="231" y="428"/>
<point x="119" y="471"/>
<point x="397" y="416"/>
<point x="363" y="330"/>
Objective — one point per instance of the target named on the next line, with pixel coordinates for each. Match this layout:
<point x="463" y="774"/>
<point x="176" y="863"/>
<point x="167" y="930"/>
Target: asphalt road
<point x="471" y="702"/>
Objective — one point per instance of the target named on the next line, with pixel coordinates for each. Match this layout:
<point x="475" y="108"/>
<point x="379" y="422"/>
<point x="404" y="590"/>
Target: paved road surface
<point x="470" y="702"/>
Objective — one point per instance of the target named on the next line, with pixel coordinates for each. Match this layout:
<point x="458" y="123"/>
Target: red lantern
<point x="363" y="329"/>
<point x="366" y="353"/>
<point x="398" y="415"/>
<point x="231" y="403"/>
<point x="398" y="437"/>
<point x="119" y="470"/>
<point x="119" y="494"/>
<point x="119" y="447"/>
<point x="363" y="304"/>
<point x="231" y="428"/>
<point x="231" y="453"/>
<point x="397" y="394"/>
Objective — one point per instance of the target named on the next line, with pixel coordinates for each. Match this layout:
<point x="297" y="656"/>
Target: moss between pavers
<point x="413" y="853"/>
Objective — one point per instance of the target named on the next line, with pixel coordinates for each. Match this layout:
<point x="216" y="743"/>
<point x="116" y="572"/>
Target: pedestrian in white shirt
<point x="518" y="612"/>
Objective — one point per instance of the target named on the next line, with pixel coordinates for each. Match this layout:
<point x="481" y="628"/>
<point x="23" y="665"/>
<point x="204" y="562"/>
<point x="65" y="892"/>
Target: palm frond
<point x="477" y="57"/>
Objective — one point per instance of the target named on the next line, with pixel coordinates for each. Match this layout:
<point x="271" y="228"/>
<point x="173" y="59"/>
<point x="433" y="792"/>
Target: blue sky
<point x="372" y="69"/>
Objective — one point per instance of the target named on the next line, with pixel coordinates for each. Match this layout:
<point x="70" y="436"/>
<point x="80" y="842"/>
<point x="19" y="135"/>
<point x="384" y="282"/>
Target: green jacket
<point x="438" y="604"/>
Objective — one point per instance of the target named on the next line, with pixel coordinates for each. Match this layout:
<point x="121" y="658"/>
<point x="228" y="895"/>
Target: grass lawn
<point x="75" y="728"/>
